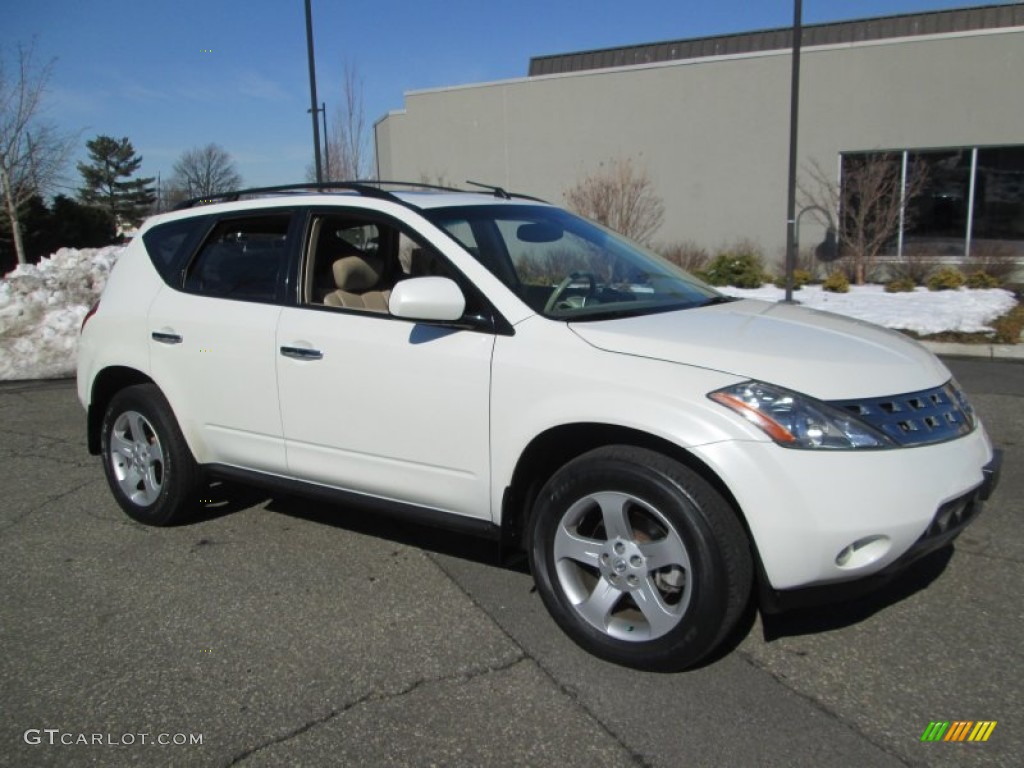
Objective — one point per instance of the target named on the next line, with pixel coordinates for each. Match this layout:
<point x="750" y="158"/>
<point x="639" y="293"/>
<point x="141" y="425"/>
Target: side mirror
<point x="427" y="298"/>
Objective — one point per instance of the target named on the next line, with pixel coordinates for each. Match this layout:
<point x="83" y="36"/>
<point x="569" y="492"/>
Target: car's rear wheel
<point x="148" y="465"/>
<point x="638" y="558"/>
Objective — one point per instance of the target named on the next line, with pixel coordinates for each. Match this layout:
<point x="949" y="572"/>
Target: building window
<point x="967" y="201"/>
<point x="999" y="201"/>
<point x="936" y="220"/>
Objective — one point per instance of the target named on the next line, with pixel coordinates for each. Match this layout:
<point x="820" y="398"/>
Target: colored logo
<point x="959" y="730"/>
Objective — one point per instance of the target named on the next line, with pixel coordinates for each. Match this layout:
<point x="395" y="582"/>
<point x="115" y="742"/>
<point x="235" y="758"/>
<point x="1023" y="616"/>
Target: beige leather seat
<point x="358" y="278"/>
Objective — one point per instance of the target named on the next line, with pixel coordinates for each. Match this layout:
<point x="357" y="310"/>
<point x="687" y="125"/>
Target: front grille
<point x="916" y="418"/>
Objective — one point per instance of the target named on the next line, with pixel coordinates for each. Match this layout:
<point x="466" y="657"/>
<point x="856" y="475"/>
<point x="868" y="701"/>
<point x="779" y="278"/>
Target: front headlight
<point x="796" y="421"/>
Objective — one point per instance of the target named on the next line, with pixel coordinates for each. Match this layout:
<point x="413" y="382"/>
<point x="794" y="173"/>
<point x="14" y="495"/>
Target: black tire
<point x="639" y="559"/>
<point x="147" y="462"/>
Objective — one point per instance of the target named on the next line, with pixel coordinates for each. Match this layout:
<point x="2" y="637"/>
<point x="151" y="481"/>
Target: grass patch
<point x="1007" y="330"/>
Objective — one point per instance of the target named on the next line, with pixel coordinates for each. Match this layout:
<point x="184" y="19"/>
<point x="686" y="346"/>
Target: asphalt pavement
<point x="277" y="631"/>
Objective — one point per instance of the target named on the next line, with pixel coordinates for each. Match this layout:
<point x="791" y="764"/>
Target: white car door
<point x="385" y="407"/>
<point x="212" y="346"/>
<point x="382" y="406"/>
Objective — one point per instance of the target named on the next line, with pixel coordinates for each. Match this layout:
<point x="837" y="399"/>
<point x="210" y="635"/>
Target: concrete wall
<point x="713" y="133"/>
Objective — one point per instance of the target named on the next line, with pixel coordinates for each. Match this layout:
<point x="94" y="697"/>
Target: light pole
<point x="327" y="142"/>
<point x="794" y="117"/>
<point x="312" y="93"/>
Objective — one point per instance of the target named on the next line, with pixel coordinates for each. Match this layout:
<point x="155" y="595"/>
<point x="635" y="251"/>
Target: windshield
<point x="568" y="268"/>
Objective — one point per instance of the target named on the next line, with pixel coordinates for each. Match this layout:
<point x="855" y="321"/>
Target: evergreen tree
<point x="108" y="182"/>
<point x="64" y="223"/>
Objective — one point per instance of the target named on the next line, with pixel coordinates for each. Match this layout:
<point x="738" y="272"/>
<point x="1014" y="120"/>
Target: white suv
<point x="494" y="364"/>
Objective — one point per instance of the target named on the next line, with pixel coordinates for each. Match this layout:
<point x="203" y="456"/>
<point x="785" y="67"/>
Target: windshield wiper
<point x="632" y="310"/>
<point x="719" y="300"/>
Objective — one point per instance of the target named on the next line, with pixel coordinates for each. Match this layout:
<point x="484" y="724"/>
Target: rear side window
<point x="242" y="259"/>
<point x="169" y="246"/>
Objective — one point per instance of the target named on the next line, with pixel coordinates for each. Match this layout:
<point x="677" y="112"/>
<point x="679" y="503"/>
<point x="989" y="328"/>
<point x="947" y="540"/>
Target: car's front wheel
<point x="147" y="462"/>
<point x="638" y="558"/>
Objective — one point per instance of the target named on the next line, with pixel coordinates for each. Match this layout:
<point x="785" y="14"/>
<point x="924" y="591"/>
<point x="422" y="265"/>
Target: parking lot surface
<point x="273" y="630"/>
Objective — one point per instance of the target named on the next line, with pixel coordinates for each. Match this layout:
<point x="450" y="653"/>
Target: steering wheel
<point x="556" y="295"/>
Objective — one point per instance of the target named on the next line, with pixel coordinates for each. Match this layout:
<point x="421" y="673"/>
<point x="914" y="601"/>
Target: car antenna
<point x="498" y="191"/>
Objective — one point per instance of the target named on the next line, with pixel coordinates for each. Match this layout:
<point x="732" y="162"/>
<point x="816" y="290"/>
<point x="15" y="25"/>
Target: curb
<point x="988" y="351"/>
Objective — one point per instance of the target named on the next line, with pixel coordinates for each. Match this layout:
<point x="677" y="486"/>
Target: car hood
<point x="820" y="354"/>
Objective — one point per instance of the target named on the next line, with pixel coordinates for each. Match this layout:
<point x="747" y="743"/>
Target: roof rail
<point x="231" y="196"/>
<point x="367" y="188"/>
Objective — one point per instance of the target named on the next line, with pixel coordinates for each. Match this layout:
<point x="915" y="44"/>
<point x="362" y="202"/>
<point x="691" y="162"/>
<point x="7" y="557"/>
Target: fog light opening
<point x="863" y="552"/>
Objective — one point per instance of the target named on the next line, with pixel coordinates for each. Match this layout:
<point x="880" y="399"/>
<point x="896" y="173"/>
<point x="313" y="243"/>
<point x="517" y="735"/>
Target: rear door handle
<point x="302" y="353"/>
<point x="166" y="338"/>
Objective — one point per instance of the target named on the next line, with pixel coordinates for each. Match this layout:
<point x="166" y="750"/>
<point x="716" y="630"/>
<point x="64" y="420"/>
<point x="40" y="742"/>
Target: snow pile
<point x="922" y="311"/>
<point x="42" y="307"/>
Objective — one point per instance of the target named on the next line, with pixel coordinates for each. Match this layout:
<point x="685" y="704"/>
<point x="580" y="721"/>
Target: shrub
<point x="622" y="196"/>
<point x="1009" y="327"/>
<point x="687" y="254"/>
<point x="741" y="266"/>
<point x="994" y="258"/>
<point x="982" y="279"/>
<point x="837" y="282"/>
<point x="946" y="279"/>
<point x="916" y="263"/>
<point x="801" y="277"/>
<point x="900" y="285"/>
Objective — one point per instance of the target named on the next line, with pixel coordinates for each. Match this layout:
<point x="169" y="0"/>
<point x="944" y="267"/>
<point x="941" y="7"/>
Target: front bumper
<point x="948" y="522"/>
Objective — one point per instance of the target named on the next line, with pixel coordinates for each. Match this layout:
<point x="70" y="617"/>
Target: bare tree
<point x="202" y="171"/>
<point x="32" y="151"/>
<point x="620" y="196"/>
<point x="348" y="156"/>
<point x="348" y="140"/>
<point x="870" y="201"/>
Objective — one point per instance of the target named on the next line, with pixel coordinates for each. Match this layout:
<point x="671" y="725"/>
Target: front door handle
<point x="302" y="353"/>
<point x="166" y="338"/>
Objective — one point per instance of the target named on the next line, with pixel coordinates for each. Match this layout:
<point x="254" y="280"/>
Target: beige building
<point x="709" y="121"/>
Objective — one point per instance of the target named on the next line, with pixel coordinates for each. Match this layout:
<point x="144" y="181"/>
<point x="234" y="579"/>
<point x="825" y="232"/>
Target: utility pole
<point x="794" y="118"/>
<point x="312" y="93"/>
<point x="327" y="143"/>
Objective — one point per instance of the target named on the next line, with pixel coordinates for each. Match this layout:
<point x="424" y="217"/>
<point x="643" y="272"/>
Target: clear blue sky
<point x="174" y="75"/>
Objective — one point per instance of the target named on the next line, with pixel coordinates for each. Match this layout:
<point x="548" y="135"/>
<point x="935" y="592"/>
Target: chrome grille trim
<point x="916" y="418"/>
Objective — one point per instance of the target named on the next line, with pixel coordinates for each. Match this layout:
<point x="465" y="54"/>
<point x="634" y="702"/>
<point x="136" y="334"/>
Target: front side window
<point x="355" y="259"/>
<point x="242" y="259"/>
<point x="566" y="267"/>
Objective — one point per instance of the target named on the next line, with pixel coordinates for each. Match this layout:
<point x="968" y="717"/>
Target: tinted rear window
<point x="169" y="246"/>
